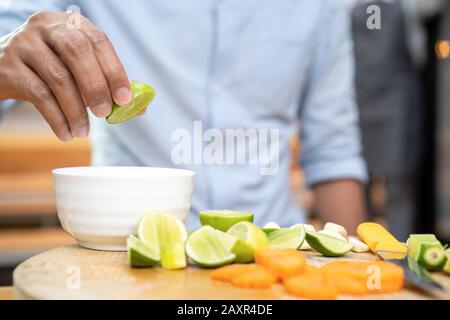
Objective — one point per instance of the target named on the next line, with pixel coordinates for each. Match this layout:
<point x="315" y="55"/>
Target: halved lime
<point x="287" y="238"/>
<point x="207" y="247"/>
<point x="140" y="255"/>
<point x="326" y="245"/>
<point x="270" y="227"/>
<point x="224" y="219"/>
<point x="143" y="94"/>
<point x="168" y="234"/>
<point x="250" y="234"/>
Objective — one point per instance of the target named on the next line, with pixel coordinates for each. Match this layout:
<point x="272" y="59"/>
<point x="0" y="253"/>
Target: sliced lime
<point x="287" y="238"/>
<point x="140" y="255"/>
<point x="270" y="227"/>
<point x="243" y="251"/>
<point x="326" y="245"/>
<point x="253" y="238"/>
<point x="168" y="234"/>
<point x="307" y="227"/>
<point x="173" y="256"/>
<point x="209" y="248"/>
<point x="333" y="233"/>
<point x="224" y="219"/>
<point x="143" y="94"/>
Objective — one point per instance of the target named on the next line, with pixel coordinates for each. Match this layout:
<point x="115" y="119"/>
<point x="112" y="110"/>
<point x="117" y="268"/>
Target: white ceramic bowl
<point x="101" y="206"/>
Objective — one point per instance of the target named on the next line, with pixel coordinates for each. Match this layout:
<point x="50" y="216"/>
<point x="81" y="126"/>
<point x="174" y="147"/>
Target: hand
<point x="61" y="70"/>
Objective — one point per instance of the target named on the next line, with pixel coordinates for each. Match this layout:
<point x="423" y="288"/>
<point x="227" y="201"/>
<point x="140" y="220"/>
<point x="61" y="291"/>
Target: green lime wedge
<point x="252" y="239"/>
<point x="224" y="219"/>
<point x="327" y="245"/>
<point x="270" y="227"/>
<point x="173" y="256"/>
<point x="143" y="94"/>
<point x="168" y="234"/>
<point x="287" y="238"/>
<point x="207" y="247"/>
<point x="140" y="255"/>
<point x="243" y="251"/>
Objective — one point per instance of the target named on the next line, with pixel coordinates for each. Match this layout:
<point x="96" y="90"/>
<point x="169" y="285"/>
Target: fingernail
<point x="81" y="132"/>
<point x="102" y="110"/>
<point x="66" y="136"/>
<point x="123" y="96"/>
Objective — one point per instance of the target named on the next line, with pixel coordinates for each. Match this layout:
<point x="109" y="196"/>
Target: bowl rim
<point x="89" y="172"/>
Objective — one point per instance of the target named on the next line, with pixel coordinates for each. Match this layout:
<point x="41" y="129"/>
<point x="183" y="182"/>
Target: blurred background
<point x="403" y="91"/>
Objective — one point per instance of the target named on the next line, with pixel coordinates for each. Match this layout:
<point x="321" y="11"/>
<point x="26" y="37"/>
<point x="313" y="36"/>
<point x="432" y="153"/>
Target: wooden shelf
<point x="40" y="153"/>
<point x="26" y="186"/>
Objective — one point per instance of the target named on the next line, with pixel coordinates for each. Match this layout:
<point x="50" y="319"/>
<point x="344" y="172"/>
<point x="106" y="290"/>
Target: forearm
<point x="342" y="202"/>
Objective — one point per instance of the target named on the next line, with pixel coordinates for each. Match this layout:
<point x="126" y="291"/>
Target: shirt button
<point x="216" y="89"/>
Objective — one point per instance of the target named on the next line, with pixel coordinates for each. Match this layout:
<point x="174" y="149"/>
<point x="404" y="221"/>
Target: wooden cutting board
<point x="72" y="272"/>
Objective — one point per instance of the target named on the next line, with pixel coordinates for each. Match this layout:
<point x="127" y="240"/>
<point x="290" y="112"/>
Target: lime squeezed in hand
<point x="143" y="94"/>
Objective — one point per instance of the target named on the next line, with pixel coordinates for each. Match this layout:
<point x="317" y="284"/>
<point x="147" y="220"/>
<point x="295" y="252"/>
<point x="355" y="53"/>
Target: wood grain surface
<point x="72" y="272"/>
<point x="14" y="239"/>
<point x="6" y="293"/>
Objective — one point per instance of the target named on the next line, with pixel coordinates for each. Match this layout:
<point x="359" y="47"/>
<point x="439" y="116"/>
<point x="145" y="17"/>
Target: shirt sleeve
<point x="329" y="129"/>
<point x="13" y="13"/>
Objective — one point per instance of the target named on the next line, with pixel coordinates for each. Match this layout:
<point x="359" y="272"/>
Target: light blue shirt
<point x="254" y="64"/>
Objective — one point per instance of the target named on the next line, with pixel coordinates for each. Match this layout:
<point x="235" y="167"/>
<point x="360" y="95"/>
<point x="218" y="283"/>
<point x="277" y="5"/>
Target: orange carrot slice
<point x="390" y="276"/>
<point x="282" y="263"/>
<point x="310" y="269"/>
<point x="228" y="272"/>
<point x="348" y="285"/>
<point x="258" y="279"/>
<point x="310" y="287"/>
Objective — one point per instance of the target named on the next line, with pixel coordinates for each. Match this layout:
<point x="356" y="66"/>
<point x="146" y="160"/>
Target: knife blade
<point x="415" y="275"/>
